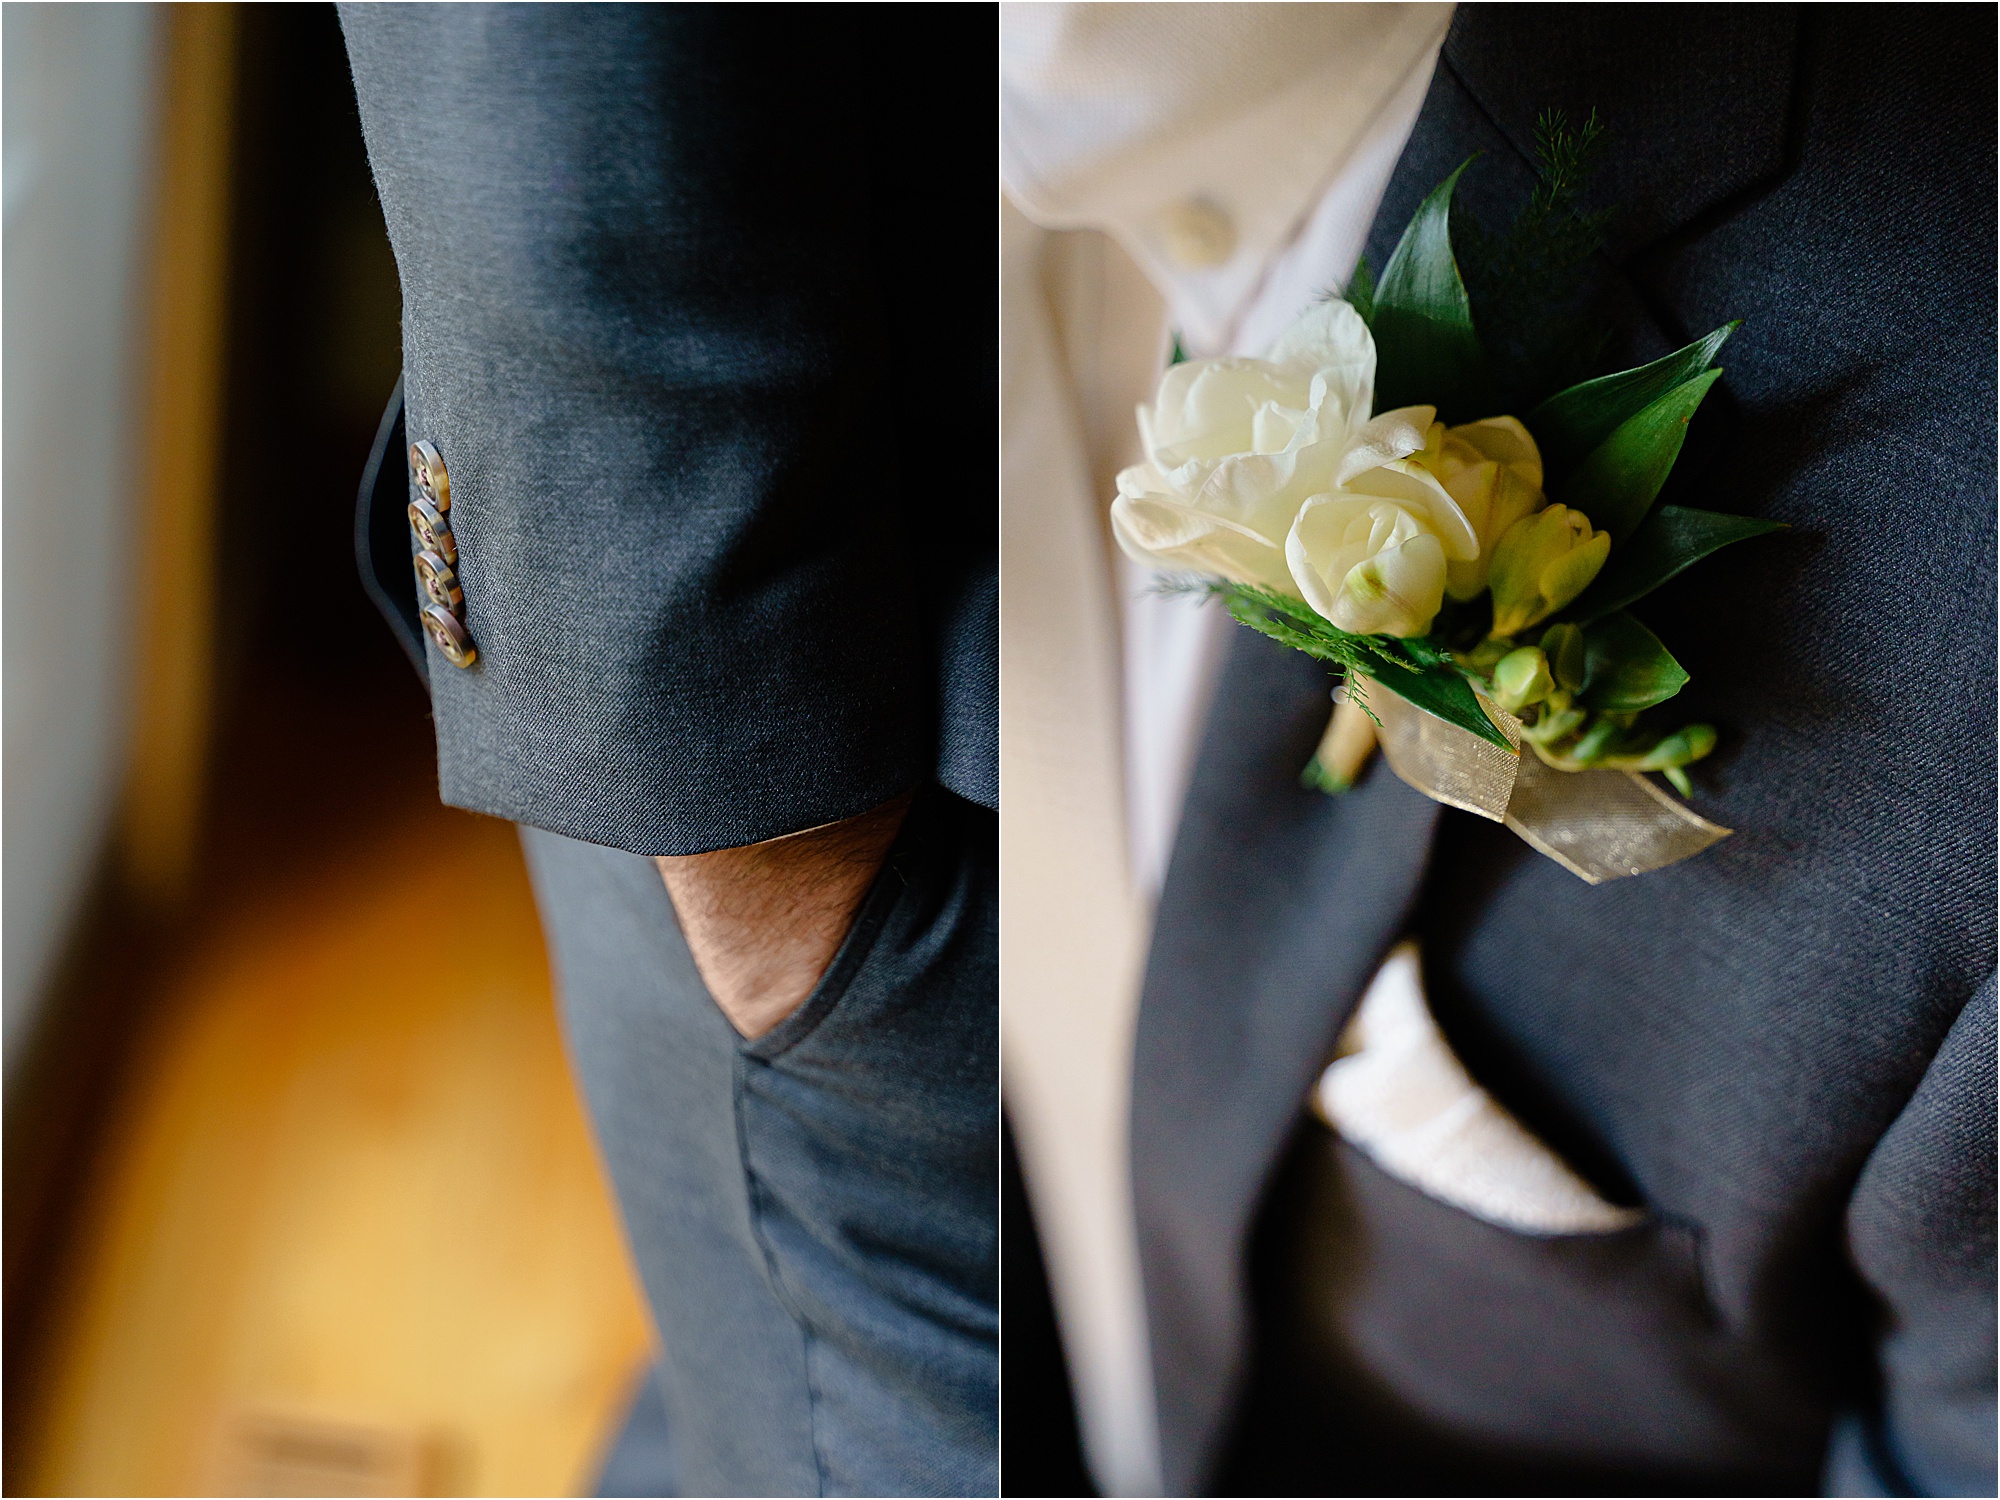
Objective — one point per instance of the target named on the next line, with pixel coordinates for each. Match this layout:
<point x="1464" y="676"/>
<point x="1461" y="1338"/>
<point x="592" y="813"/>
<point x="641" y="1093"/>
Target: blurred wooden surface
<point x="351" y="1235"/>
<point x="184" y="376"/>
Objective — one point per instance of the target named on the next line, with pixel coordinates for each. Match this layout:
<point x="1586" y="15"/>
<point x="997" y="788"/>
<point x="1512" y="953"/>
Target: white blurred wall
<point x="76" y="121"/>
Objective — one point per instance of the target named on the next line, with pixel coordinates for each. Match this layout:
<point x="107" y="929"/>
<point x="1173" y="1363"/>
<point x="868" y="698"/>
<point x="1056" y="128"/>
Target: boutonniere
<point x="1363" y="495"/>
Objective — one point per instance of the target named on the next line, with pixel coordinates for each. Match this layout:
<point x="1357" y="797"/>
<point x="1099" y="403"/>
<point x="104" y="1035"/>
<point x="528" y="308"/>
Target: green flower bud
<point x="1541" y="564"/>
<point x="1521" y="677"/>
<point x="1484" y="657"/>
<point x="1563" y="645"/>
<point x="1598" y="742"/>
<point x="1681" y="748"/>
<point x="1554" y="723"/>
<point x="1667" y="756"/>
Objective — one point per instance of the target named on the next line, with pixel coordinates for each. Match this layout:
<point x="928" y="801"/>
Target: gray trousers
<point x="813" y="1213"/>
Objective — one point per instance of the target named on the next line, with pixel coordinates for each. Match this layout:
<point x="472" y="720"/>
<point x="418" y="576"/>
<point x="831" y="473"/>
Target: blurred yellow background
<point x="348" y="1195"/>
<point x="299" y="1197"/>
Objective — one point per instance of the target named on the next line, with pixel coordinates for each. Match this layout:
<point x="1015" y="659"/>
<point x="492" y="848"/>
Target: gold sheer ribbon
<point x="1601" y="825"/>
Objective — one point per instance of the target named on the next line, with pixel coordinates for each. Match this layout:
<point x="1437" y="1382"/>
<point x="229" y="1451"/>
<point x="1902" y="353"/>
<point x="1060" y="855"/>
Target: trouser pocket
<point x="869" y="1128"/>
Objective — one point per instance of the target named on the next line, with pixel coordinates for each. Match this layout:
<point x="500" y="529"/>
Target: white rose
<point x="1270" y="472"/>
<point x="1235" y="446"/>
<point x="1371" y="555"/>
<point x="1374" y="553"/>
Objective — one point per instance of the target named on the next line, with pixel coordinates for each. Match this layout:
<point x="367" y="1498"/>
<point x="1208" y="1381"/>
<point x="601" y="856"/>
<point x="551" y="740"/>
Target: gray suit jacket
<point x="1783" y="1050"/>
<point x="691" y="295"/>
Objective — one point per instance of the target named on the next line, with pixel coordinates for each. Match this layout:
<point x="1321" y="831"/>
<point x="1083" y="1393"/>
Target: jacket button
<point x="440" y="583"/>
<point x="427" y="464"/>
<point x="432" y="530"/>
<point x="442" y="626"/>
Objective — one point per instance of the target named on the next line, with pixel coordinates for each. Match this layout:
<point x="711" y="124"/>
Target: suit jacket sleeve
<point x="643" y="325"/>
<point x="1921" y="1230"/>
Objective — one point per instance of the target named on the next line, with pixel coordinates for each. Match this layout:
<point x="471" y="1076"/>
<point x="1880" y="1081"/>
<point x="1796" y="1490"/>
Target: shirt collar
<point x="1201" y="137"/>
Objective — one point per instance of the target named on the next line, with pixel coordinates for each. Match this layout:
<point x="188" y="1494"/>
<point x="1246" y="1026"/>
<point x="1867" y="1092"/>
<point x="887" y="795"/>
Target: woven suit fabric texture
<point x="1778" y="1053"/>
<point x="690" y="294"/>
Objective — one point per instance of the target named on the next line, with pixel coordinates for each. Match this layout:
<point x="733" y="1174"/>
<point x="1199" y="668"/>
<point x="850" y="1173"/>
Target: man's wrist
<point x="763" y="921"/>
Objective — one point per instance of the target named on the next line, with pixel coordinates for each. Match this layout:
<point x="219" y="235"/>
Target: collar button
<point x="1200" y="233"/>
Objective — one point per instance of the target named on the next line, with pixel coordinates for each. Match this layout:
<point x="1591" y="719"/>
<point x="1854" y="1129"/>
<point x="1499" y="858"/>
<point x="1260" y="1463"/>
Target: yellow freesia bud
<point x="1494" y="471"/>
<point x="1522" y="677"/>
<point x="1542" y="563"/>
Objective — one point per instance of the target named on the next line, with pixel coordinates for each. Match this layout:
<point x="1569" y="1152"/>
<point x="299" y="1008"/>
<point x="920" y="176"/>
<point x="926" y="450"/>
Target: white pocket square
<point x="1400" y="1095"/>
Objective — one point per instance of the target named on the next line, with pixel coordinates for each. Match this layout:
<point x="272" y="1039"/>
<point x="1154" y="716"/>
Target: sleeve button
<point x="432" y="530"/>
<point x="427" y="465"/>
<point x="440" y="584"/>
<point x="442" y="626"/>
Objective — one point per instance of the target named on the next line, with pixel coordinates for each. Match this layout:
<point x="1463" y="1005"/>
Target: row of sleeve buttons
<point x="430" y="518"/>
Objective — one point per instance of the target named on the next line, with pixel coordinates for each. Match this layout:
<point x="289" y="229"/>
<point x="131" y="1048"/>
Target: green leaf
<point x="1426" y="352"/>
<point x="1670" y="538"/>
<point x="1443" y="693"/>
<point x="1571" y="423"/>
<point x="1361" y="290"/>
<point x="1617" y="484"/>
<point x="1626" y="668"/>
<point x="1417" y="651"/>
<point x="1417" y="668"/>
<point x="1286" y="620"/>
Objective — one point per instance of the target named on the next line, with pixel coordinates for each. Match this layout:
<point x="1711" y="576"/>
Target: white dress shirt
<point x="1205" y="169"/>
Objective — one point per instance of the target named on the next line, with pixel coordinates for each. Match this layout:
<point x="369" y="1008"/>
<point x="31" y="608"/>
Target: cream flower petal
<point x="1386" y="438"/>
<point x="1351" y="558"/>
<point x="1149" y="444"/>
<point x="1318" y="543"/>
<point x="1326" y="334"/>
<point x="1329" y="338"/>
<point x="1163" y="533"/>
<point x="1276" y="427"/>
<point x="1144" y="479"/>
<point x="1411" y="485"/>
<point x="1472" y="486"/>
<point x="1206" y="407"/>
<point x="1397" y="592"/>
<point x="1264" y="490"/>
<point x="1505" y="441"/>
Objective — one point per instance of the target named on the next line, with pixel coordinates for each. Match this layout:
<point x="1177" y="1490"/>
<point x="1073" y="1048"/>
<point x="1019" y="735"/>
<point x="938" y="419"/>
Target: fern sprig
<point x="1565" y="159"/>
<point x="1293" y="622"/>
<point x="1525" y="283"/>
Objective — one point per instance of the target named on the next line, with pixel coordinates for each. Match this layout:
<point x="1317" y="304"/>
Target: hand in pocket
<point x="763" y="921"/>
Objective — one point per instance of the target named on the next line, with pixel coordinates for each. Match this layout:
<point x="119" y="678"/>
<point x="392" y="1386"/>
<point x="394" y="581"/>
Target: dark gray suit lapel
<point x="1280" y="902"/>
<point x="1278" y="906"/>
<point x="1697" y="100"/>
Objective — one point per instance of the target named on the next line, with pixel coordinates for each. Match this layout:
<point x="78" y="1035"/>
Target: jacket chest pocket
<point x="1473" y="1309"/>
